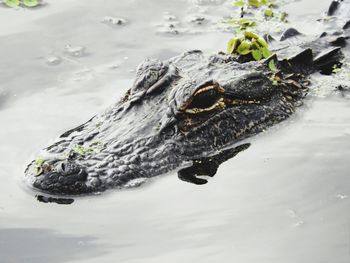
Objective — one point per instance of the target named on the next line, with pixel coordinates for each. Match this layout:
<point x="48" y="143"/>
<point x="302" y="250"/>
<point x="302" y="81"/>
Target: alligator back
<point x="317" y="52"/>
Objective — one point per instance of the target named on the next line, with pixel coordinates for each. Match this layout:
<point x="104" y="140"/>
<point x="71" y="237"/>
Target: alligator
<point x="189" y="113"/>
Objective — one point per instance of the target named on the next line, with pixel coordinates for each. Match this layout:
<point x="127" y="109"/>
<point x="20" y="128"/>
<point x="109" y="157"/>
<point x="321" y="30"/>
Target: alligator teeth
<point x="220" y="103"/>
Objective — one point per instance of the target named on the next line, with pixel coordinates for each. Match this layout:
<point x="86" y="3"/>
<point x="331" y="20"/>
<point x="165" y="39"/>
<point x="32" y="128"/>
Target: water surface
<point x="285" y="199"/>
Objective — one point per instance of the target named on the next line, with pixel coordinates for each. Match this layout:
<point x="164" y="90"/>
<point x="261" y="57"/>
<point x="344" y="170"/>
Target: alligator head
<point x="178" y="110"/>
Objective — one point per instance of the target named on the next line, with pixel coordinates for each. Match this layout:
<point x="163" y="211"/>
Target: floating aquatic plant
<point x="11" y="3"/>
<point x="249" y="43"/>
<point x="17" y="3"/>
<point x="268" y="5"/>
<point x="268" y="12"/>
<point x="30" y="3"/>
<point x="94" y="147"/>
<point x="336" y="69"/>
<point x="82" y="151"/>
<point x="40" y="166"/>
<point x="272" y="65"/>
<point x="241" y="24"/>
<point x="252" y="3"/>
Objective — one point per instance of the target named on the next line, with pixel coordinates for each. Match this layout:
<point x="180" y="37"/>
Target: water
<point x="285" y="199"/>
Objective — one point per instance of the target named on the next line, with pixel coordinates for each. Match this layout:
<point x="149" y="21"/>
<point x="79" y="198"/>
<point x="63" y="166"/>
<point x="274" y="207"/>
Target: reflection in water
<point x="49" y="199"/>
<point x="208" y="166"/>
<point x="42" y="245"/>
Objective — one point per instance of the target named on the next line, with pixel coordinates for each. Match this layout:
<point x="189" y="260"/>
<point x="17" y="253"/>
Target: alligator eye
<point x="205" y="99"/>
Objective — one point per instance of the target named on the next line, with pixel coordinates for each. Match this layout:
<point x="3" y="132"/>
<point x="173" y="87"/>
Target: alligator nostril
<point x="63" y="166"/>
<point x="67" y="168"/>
<point x="82" y="175"/>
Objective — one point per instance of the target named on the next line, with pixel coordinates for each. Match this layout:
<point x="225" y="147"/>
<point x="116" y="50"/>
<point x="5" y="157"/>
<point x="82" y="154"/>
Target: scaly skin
<point x="182" y="109"/>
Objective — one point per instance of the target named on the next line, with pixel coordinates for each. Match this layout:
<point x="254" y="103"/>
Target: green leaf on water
<point x="238" y="3"/>
<point x="283" y="17"/>
<point x="262" y="42"/>
<point x="268" y="3"/>
<point x="272" y="65"/>
<point x="232" y="45"/>
<point x="242" y="23"/>
<point x="30" y="3"/>
<point x="268" y="12"/>
<point x="249" y="43"/>
<point x="256" y="53"/>
<point x="11" y="3"/>
<point x="250" y="35"/>
<point x="265" y="52"/>
<point x="244" y="48"/>
<point x="38" y="167"/>
<point x="335" y="69"/>
<point x="39" y="162"/>
<point x="82" y="151"/>
<point x="255" y="3"/>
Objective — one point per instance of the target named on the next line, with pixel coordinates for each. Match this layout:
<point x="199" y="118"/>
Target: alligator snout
<point x="63" y="177"/>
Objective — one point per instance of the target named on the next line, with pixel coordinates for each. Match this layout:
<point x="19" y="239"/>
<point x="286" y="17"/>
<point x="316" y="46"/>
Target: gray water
<point x="285" y="199"/>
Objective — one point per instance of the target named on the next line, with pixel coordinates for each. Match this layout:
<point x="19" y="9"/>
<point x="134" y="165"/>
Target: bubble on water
<point x="114" y="21"/>
<point x="75" y="51"/>
<point x="53" y="60"/>
<point x="341" y="196"/>
<point x="167" y="16"/>
<point x="299" y="223"/>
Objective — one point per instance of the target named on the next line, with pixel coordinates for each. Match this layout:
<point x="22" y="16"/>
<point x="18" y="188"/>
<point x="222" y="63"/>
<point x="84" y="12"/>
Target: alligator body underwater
<point x="190" y="111"/>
